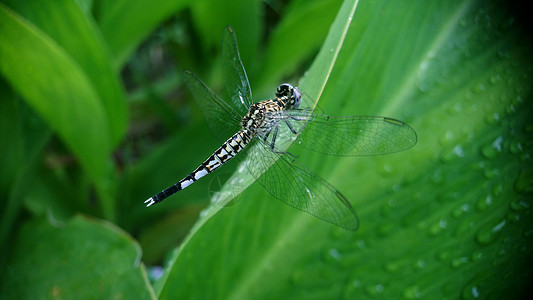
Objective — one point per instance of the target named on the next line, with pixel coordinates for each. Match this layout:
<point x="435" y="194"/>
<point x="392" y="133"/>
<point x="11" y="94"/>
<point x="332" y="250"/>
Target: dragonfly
<point x="263" y="127"/>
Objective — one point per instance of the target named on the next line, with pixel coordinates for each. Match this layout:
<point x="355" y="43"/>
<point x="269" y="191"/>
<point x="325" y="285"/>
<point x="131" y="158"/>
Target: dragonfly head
<point x="290" y="94"/>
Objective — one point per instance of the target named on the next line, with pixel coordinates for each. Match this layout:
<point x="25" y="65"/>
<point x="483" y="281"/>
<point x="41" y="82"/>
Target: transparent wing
<point x="235" y="79"/>
<point x="223" y="121"/>
<point x="298" y="187"/>
<point x="351" y="136"/>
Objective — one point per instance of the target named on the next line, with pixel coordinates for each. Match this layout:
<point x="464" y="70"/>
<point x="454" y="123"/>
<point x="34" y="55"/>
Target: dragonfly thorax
<point x="262" y="117"/>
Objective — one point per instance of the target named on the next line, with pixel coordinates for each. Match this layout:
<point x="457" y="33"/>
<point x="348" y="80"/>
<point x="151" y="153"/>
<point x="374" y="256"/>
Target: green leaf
<point x="280" y="61"/>
<point x="83" y="259"/>
<point x="22" y="139"/>
<point x="61" y="21"/>
<point x="124" y="24"/>
<point x="448" y="219"/>
<point x="58" y="89"/>
<point x="211" y="17"/>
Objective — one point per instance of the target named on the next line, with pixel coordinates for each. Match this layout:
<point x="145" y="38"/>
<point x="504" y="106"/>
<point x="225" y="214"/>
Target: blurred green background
<point x="94" y="119"/>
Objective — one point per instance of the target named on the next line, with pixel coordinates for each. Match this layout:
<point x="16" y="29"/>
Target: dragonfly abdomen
<point x="227" y="151"/>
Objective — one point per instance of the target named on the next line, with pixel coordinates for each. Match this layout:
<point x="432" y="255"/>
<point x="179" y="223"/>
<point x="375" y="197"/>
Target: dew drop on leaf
<point x="459" y="261"/>
<point x="484" y="203"/>
<point x="394" y="266"/>
<point x="476" y="256"/>
<point x="375" y="290"/>
<point x="420" y="264"/>
<point x="464" y="227"/>
<point x="461" y="210"/>
<point x="524" y="182"/>
<point x="470" y="292"/>
<point x="438" y="227"/>
<point x="412" y="292"/>
<point x="492" y="150"/>
<point x="488" y="234"/>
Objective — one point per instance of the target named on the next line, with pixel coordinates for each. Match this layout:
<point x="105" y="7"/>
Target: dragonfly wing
<point x="298" y="187"/>
<point x="352" y="136"/>
<point x="223" y="121"/>
<point x="235" y="79"/>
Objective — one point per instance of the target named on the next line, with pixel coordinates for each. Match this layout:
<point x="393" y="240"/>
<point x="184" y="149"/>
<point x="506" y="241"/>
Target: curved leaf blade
<point x="56" y="87"/>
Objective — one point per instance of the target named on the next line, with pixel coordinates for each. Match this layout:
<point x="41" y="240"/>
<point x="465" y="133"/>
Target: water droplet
<point x="352" y="289"/>
<point x="448" y="196"/>
<point x="519" y="205"/>
<point x="488" y="234"/>
<point x="375" y="290"/>
<point x="476" y="256"/>
<point x="457" y="108"/>
<point x="461" y="210"/>
<point x="447" y="138"/>
<point x="393" y="267"/>
<point x="524" y="182"/>
<point x="204" y="212"/>
<point x="489" y="151"/>
<point x="155" y="272"/>
<point x="458" y="262"/>
<point x="470" y="292"/>
<point x="497" y="190"/>
<point x="479" y="88"/>
<point x="438" y="227"/>
<point x="464" y="227"/>
<point x="341" y="257"/>
<point x="491" y="173"/>
<point x="334" y="253"/>
<point x="513" y="217"/>
<point x="492" y="150"/>
<point x="503" y="53"/>
<point x="420" y="264"/>
<point x="516" y="148"/>
<point x="360" y="244"/>
<point x="484" y="203"/>
<point x="495" y="79"/>
<point x="458" y="150"/>
<point x="493" y="118"/>
<point x="386" y="170"/>
<point x="450" y="156"/>
<point x="412" y="292"/>
<point x="437" y="176"/>
<point x="444" y="255"/>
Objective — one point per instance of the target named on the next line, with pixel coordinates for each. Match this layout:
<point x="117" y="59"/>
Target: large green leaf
<point x="62" y="20"/>
<point x="448" y="219"/>
<point x="125" y="23"/>
<point x="55" y="85"/>
<point x="22" y="139"/>
<point x="286" y="51"/>
<point x="82" y="259"/>
<point x="211" y="17"/>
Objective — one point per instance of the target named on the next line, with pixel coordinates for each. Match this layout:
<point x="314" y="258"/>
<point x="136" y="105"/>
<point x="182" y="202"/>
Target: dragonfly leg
<point x="292" y="156"/>
<point x="302" y="118"/>
<point x="291" y="128"/>
<point x="274" y="137"/>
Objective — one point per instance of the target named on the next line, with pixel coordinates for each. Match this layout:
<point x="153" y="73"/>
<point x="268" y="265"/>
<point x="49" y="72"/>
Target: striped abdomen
<point x="227" y="151"/>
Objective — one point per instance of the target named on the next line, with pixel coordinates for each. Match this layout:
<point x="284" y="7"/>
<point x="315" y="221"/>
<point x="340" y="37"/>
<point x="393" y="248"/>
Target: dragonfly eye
<point x="291" y="93"/>
<point x="297" y="96"/>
